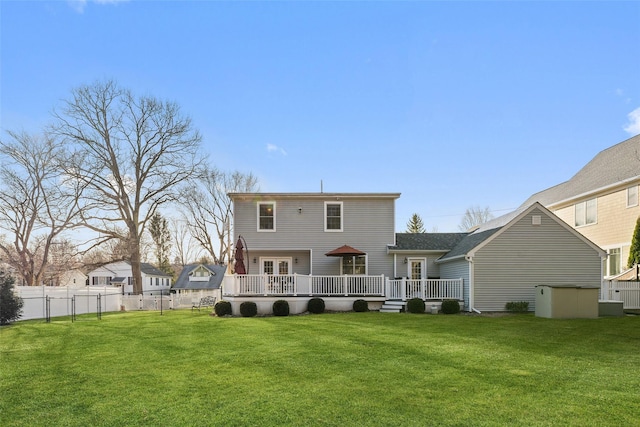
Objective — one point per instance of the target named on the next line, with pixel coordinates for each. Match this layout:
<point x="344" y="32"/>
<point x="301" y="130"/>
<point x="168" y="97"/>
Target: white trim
<point x="571" y="200"/>
<point x="265" y="230"/>
<point x="326" y="204"/>
<point x="472" y="285"/>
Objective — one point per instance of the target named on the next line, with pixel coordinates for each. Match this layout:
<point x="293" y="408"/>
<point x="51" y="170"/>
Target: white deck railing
<point x="356" y="285"/>
<point x="297" y="284"/>
<point x="426" y="289"/>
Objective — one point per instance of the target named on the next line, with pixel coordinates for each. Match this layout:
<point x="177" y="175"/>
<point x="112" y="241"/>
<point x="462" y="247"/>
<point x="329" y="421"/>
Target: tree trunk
<point x="136" y="269"/>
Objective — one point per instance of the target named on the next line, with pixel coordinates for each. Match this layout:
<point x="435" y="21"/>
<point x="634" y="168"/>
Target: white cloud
<point x="633" y="128"/>
<point x="274" y="148"/>
<point x="80" y="5"/>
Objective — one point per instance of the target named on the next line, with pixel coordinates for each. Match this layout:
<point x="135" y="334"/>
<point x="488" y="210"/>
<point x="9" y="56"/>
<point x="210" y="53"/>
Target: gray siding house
<point x="506" y="258"/>
<point x="342" y="246"/>
<point x="288" y="233"/>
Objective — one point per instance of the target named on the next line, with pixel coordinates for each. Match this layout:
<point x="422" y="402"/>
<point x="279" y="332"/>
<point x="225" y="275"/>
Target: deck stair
<point x="393" y="306"/>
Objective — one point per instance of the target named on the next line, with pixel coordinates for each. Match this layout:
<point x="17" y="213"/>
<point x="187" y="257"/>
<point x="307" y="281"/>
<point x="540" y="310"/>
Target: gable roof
<point x="614" y="166"/>
<point x="467" y="244"/>
<point x="481" y="237"/>
<point x="145" y="267"/>
<point x="150" y="270"/>
<point x="214" y="282"/>
<point x="426" y="241"/>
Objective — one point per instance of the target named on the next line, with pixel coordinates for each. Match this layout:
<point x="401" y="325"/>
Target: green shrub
<point x="281" y="308"/>
<point x="360" y="306"/>
<point x="222" y="308"/>
<point x="450" y="306"/>
<point x="316" y="306"/>
<point x="415" y="305"/>
<point x="248" y="309"/>
<point x="517" y="306"/>
<point x="10" y="304"/>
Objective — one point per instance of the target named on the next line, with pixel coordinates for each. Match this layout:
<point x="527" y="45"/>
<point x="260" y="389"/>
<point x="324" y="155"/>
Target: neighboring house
<point x="119" y="273"/>
<point x="503" y="260"/>
<point x="195" y="278"/>
<point x="289" y="233"/>
<point x="74" y="278"/>
<point x="601" y="201"/>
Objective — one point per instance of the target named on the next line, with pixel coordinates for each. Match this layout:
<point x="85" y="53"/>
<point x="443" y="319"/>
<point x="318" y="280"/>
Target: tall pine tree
<point x="415" y="224"/>
<point x="159" y="230"/>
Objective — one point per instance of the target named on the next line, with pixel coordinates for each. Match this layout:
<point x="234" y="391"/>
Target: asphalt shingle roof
<point x="427" y="241"/>
<point x="214" y="281"/>
<point x="468" y="243"/>
<point x="613" y="165"/>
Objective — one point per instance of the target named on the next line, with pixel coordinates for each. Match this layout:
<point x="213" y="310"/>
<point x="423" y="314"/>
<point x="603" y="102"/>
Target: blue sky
<point x="452" y="104"/>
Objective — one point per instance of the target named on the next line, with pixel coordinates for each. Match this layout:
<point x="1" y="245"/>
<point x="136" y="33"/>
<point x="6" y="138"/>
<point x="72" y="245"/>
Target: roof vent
<point x="536" y="220"/>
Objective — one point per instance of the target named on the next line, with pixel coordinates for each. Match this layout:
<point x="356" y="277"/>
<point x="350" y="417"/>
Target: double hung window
<point x="266" y="216"/>
<point x="333" y="216"/>
<point x="586" y="213"/>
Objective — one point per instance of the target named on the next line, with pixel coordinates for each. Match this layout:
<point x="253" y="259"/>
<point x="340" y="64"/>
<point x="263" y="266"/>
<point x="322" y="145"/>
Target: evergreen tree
<point x="415" y="224"/>
<point x="634" y="250"/>
<point x="10" y="304"/>
<point x="159" y="230"/>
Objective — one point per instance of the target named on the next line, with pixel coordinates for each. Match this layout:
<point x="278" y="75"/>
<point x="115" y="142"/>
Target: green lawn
<point x="371" y="369"/>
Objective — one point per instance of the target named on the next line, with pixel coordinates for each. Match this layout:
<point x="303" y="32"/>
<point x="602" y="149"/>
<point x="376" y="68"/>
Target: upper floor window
<point x="586" y="212"/>
<point x="632" y="196"/>
<point x="333" y="216"/>
<point x="266" y="216"/>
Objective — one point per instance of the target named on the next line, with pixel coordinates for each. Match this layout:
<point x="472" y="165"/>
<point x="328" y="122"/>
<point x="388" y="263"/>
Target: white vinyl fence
<point x="626" y="291"/>
<point x="61" y="300"/>
<point x="41" y="302"/>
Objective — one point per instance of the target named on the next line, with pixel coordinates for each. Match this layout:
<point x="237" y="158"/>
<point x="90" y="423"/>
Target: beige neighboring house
<point x="73" y="278"/>
<point x="601" y="201"/>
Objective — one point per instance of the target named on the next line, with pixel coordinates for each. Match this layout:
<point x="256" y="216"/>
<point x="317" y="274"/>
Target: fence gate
<point x="626" y="291"/>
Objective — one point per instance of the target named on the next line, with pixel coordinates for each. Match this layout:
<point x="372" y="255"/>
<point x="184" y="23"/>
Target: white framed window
<point x="613" y="264"/>
<point x="632" y="196"/>
<point x="333" y="216"/>
<point x="586" y="212"/>
<point x="354" y="264"/>
<point x="266" y="216"/>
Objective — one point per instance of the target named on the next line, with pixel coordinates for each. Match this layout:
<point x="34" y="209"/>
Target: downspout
<point x="469" y="259"/>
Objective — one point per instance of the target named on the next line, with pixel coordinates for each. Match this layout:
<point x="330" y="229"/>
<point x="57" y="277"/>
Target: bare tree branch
<point x="129" y="153"/>
<point x="207" y="209"/>
<point x="37" y="202"/>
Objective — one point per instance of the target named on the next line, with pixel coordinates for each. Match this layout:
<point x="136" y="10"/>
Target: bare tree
<point x="475" y="216"/>
<point x="207" y="210"/>
<point x="129" y="152"/>
<point x="37" y="202"/>
<point x="185" y="248"/>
